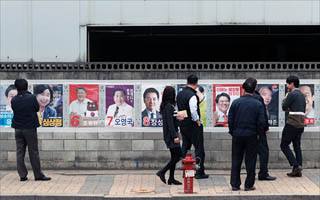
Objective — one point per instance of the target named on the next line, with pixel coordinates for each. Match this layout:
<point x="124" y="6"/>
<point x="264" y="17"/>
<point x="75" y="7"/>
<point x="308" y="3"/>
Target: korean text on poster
<point x="223" y="96"/>
<point x="50" y="99"/>
<point x="119" y="106"/>
<point x="84" y="105"/>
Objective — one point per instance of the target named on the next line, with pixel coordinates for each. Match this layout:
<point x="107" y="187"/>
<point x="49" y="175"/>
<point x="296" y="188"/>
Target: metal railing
<point x="159" y="66"/>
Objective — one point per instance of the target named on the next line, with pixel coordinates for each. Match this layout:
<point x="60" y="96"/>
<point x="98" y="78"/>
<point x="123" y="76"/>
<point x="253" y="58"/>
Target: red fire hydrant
<point x="188" y="172"/>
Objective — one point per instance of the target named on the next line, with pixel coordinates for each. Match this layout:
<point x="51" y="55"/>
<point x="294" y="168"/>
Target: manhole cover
<point x="142" y="190"/>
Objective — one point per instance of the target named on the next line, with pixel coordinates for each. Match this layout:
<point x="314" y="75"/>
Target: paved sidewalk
<point x="143" y="184"/>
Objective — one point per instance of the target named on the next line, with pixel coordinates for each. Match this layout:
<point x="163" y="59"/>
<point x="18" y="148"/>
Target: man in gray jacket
<point x="294" y="104"/>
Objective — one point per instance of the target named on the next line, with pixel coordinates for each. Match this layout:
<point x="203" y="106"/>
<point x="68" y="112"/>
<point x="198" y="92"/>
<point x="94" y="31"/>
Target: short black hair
<point x="222" y="95"/>
<point x="150" y="90"/>
<point x="201" y="88"/>
<point x="192" y="79"/>
<point x="250" y="85"/>
<point x="81" y="88"/>
<point x="310" y="87"/>
<point x="293" y="79"/>
<point x="119" y="89"/>
<point x="9" y="88"/>
<point x="41" y="88"/>
<point x="21" y="84"/>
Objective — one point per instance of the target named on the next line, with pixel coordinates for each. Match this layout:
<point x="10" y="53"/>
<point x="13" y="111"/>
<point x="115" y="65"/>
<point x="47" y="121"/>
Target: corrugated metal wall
<point x="55" y="31"/>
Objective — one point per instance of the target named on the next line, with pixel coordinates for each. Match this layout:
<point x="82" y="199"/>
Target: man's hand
<point x="176" y="140"/>
<point x="198" y="122"/>
<point x="267" y="132"/>
<point x="287" y="94"/>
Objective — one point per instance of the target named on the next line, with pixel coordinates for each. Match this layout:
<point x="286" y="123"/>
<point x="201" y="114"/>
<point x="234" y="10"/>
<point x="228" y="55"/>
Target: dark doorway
<point x="203" y="43"/>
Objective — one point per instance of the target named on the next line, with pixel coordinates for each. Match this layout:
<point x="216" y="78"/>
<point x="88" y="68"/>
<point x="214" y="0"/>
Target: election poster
<point x="201" y="93"/>
<point x="50" y="99"/>
<point x="84" y="105"/>
<point x="270" y="95"/>
<point x="119" y="105"/>
<point x="308" y="92"/>
<point x="151" y="100"/>
<point x="224" y="95"/>
<point x="7" y="92"/>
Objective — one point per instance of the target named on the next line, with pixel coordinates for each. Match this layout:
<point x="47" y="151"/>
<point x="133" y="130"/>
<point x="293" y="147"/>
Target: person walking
<point x="246" y="121"/>
<point x="170" y="134"/>
<point x="191" y="127"/>
<point x="294" y="104"/>
<point x="25" y="122"/>
<point x="263" y="148"/>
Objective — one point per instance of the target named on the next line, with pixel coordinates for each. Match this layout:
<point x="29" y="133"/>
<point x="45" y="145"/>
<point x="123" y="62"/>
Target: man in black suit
<point x="246" y="121"/>
<point x="25" y="122"/>
<point x="263" y="148"/>
<point x="151" y="117"/>
<point x="191" y="127"/>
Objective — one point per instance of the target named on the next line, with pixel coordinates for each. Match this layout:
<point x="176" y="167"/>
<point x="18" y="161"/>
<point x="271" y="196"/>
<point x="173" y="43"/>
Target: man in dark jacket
<point x="246" y="121"/>
<point x="191" y="127"/>
<point x="294" y="104"/>
<point x="263" y="148"/>
<point x="25" y="122"/>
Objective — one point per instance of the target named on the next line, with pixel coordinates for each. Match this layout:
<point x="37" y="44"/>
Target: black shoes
<point x="296" y="172"/>
<point x="161" y="176"/>
<point x="23" y="178"/>
<point x="249" y="189"/>
<point x="235" y="188"/>
<point x="174" y="182"/>
<point x="267" y="178"/>
<point x="201" y="176"/>
<point x="299" y="174"/>
<point x="45" y="178"/>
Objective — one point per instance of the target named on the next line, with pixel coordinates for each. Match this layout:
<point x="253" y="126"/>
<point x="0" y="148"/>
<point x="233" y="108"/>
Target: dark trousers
<point x="24" y="138"/>
<point x="175" y="157"/>
<point x="263" y="151"/>
<point x="292" y="134"/>
<point x="193" y="135"/>
<point x="244" y="146"/>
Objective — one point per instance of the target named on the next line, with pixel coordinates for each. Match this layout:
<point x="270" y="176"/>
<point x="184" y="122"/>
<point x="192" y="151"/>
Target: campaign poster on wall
<point x="201" y="93"/>
<point x="224" y="95"/>
<point x="50" y="99"/>
<point x="151" y="100"/>
<point x="119" y="105"/>
<point x="308" y="92"/>
<point x="7" y="92"/>
<point x="84" y="105"/>
<point x="270" y="95"/>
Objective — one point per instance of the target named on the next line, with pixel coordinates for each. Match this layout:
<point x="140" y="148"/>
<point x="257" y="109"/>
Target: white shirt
<point x="193" y="108"/>
<point x="125" y="111"/>
<point x="220" y="116"/>
<point x="150" y="114"/>
<point x="79" y="108"/>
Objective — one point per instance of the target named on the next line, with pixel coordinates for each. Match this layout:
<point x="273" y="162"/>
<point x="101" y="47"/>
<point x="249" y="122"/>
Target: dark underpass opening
<point x="234" y="43"/>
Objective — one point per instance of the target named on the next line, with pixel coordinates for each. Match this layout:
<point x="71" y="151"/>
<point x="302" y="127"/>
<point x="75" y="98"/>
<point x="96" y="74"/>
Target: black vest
<point x="183" y="99"/>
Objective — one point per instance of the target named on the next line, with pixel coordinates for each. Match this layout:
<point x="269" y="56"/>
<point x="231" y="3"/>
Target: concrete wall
<point x="97" y="148"/>
<point x="62" y="25"/>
